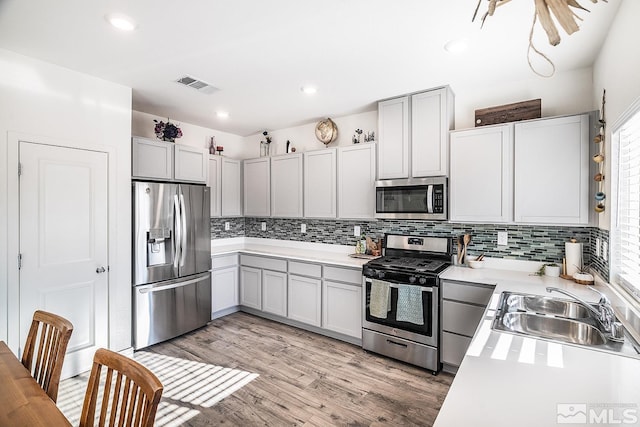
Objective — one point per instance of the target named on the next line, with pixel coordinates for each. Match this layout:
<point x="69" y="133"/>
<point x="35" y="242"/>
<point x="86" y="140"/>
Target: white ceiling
<point x="260" y="52"/>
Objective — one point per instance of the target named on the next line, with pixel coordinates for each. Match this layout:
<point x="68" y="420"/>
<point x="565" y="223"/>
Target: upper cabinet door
<point x="214" y="182"/>
<point x="551" y="171"/>
<point x="230" y="189"/>
<point x="320" y="183"/>
<point x="286" y="186"/>
<point x="191" y="164"/>
<point x="431" y="120"/>
<point x="393" y="143"/>
<point x="152" y="159"/>
<point x="480" y="185"/>
<point x="356" y="181"/>
<point x="257" y="188"/>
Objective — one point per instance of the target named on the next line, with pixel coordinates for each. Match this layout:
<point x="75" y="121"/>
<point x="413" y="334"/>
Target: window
<point x="625" y="234"/>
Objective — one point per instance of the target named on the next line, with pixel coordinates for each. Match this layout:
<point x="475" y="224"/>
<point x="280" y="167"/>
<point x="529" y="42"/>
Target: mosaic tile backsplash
<point x="525" y="242"/>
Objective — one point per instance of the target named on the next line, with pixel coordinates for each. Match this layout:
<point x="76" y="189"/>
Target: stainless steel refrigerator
<point x="171" y="260"/>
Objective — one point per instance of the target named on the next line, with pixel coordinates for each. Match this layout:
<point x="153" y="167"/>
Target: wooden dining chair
<point x="45" y="348"/>
<point x="131" y="392"/>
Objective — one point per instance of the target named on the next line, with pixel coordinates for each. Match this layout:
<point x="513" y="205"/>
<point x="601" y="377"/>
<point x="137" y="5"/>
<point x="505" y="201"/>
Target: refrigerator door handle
<point x="178" y="231"/>
<point x="157" y="288"/>
<point x="183" y="232"/>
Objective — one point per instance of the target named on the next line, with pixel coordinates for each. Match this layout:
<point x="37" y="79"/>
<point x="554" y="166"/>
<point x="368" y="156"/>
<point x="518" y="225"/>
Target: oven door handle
<point x="422" y="288"/>
<point x="397" y="286"/>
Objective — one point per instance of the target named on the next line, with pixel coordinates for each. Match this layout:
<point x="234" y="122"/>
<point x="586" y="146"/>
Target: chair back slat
<point x="47" y="340"/>
<point x="129" y="398"/>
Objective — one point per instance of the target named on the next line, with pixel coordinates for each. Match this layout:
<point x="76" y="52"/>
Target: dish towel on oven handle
<point x="380" y="299"/>
<point x="409" y="308"/>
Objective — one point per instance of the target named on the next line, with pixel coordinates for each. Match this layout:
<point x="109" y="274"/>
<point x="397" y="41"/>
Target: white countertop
<point x="301" y="251"/>
<point x="511" y="380"/>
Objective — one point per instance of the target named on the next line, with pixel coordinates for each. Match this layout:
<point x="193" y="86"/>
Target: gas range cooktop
<point x="409" y="264"/>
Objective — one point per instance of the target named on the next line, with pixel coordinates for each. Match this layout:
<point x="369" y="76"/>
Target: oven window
<point x="426" y="301"/>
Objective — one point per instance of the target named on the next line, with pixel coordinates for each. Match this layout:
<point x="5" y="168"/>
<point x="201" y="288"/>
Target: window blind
<point x="626" y="233"/>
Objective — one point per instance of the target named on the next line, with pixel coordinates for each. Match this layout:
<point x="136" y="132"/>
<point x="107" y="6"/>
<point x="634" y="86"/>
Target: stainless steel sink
<point x="558" y="320"/>
<point x="546" y="305"/>
<point x="556" y="328"/>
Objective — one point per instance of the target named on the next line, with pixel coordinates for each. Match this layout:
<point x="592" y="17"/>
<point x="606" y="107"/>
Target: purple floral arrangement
<point x="167" y="131"/>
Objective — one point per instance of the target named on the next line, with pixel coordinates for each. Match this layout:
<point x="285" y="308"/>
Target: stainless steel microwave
<point x="412" y="198"/>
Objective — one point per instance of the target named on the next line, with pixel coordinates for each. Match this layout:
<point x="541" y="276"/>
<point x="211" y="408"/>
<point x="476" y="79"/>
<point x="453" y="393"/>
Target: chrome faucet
<point x="604" y="314"/>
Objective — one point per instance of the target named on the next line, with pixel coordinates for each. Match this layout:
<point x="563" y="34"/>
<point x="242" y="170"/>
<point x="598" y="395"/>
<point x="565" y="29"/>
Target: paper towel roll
<point x="573" y="253"/>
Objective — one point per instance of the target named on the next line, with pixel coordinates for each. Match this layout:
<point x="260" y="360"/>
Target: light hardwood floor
<point x="244" y="370"/>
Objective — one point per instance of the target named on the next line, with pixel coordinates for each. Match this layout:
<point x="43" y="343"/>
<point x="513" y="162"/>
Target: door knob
<point x="100" y="270"/>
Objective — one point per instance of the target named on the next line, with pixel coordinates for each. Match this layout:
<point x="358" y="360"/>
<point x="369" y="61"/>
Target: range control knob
<point x="381" y="274"/>
<point x="412" y="279"/>
<point x="423" y="280"/>
<point x="368" y="272"/>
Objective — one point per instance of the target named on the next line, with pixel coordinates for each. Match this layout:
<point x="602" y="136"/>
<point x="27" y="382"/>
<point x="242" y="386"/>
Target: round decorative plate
<point x="326" y="131"/>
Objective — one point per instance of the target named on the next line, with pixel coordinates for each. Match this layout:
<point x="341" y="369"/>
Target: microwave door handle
<point x="430" y="198"/>
<point x="177" y="235"/>
<point x="183" y="243"/>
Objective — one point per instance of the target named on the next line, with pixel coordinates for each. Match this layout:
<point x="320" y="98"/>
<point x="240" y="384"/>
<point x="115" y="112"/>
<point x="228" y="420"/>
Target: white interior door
<point x="63" y="243"/>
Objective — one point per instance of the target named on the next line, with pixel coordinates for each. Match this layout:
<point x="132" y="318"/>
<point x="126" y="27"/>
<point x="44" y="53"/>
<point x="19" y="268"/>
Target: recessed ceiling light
<point x="456" y="46"/>
<point x="222" y="114"/>
<point x="309" y="90"/>
<point x="121" y="22"/>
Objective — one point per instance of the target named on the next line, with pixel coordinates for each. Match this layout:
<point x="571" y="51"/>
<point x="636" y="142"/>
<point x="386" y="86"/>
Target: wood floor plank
<point x="303" y="379"/>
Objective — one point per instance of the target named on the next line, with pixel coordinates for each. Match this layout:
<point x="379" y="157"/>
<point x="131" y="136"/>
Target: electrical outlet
<point x="303" y="228"/>
<point x="356" y="230"/>
<point x="605" y="250"/>
<point x="598" y="247"/>
<point x="227" y="226"/>
<point x="263" y="226"/>
<point x="503" y="238"/>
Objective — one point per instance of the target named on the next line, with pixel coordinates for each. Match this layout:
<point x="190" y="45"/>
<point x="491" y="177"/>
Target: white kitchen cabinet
<point x="224" y="285"/>
<point x="274" y="292"/>
<point x="230" y="187"/>
<point x="305" y="299"/>
<point x="163" y="160"/>
<point x="257" y="187"/>
<point x="251" y="287"/>
<point x="393" y="140"/>
<point x="463" y="306"/>
<point x="215" y="183"/>
<point x="431" y="119"/>
<point x="320" y="177"/>
<point x="356" y="181"/>
<point x="342" y="308"/>
<point x="224" y="289"/>
<point x="551" y="166"/>
<point x="481" y="176"/>
<point x="413" y="134"/>
<point x="286" y="186"/>
<point x="342" y="300"/>
<point x="151" y="159"/>
<point x="190" y="164"/>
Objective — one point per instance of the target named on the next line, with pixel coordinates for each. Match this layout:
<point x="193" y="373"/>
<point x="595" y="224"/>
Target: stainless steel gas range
<point x="401" y="305"/>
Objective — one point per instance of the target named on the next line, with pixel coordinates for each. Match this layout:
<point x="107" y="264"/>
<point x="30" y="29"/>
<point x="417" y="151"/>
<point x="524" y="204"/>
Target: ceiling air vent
<point x="198" y="85"/>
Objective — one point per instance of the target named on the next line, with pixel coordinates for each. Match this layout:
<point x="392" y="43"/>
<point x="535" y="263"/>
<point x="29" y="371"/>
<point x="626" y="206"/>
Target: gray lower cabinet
<point x="251" y="287"/>
<point x="327" y="298"/>
<point x="463" y="306"/>
<point x="274" y="292"/>
<point x="305" y="299"/>
<point x="224" y="285"/>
